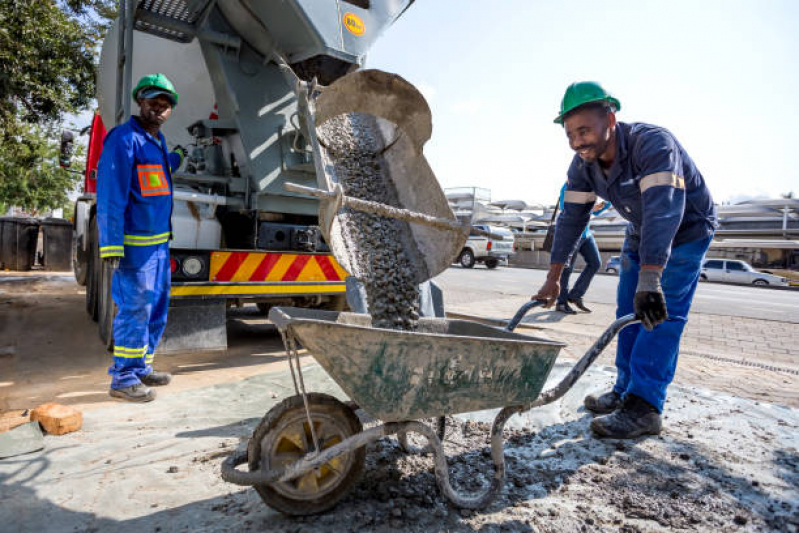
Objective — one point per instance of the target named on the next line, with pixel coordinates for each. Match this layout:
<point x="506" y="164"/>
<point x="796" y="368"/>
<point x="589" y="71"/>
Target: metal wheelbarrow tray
<point x="309" y="450"/>
<point x="445" y="367"/>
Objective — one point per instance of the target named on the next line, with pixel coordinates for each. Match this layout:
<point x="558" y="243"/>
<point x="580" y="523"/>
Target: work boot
<point x="604" y="403"/>
<point x="134" y="393"/>
<point x="635" y="417"/>
<point x="156" y="379"/>
<point x="579" y="303"/>
<point x="565" y="309"/>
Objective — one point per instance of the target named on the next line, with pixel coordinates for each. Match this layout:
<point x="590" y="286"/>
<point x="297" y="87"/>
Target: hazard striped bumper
<point x="244" y="290"/>
<point x="260" y="274"/>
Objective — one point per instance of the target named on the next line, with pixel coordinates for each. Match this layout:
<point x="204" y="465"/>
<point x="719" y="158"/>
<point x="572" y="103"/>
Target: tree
<point x="29" y="173"/>
<point x="47" y="69"/>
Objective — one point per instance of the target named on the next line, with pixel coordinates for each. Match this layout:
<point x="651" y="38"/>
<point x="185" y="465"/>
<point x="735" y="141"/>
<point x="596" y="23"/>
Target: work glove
<point x="182" y="151"/>
<point x="112" y="262"/>
<point x="650" y="303"/>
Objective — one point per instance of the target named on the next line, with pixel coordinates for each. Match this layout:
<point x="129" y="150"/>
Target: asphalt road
<point x="713" y="298"/>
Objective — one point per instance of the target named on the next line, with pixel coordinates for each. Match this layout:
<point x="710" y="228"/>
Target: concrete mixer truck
<point x="239" y="235"/>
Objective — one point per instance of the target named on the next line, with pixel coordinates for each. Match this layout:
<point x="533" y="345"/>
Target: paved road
<point x="712" y="298"/>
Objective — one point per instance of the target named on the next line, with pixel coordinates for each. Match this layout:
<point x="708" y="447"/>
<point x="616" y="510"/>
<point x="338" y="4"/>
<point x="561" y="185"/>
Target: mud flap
<point x="194" y="325"/>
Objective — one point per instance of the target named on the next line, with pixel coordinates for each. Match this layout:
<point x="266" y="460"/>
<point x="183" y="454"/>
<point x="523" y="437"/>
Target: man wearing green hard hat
<point x="134" y="211"/>
<point x="652" y="182"/>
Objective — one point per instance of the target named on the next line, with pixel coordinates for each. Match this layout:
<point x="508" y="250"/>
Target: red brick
<point x="57" y="419"/>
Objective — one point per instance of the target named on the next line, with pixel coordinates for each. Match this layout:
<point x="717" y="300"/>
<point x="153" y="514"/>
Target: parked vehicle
<point x="613" y="266"/>
<point x="736" y="271"/>
<point x="490" y="251"/>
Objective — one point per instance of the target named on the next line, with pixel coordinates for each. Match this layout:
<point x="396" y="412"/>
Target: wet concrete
<point x="381" y="249"/>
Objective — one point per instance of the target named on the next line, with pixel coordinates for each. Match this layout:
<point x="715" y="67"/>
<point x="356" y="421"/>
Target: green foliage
<point x="47" y="69"/>
<point x="29" y="173"/>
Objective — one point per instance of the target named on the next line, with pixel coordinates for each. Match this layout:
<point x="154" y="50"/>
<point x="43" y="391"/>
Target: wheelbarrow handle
<point x="587" y="360"/>
<point x="523" y="310"/>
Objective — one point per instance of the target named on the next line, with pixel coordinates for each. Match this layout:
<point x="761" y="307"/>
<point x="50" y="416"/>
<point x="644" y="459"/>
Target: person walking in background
<point x="655" y="185"/>
<point x="134" y="211"/>
<point x="587" y="248"/>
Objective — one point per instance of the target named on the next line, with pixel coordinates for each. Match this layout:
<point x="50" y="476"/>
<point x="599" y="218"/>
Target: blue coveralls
<point x="654" y="184"/>
<point x="134" y="210"/>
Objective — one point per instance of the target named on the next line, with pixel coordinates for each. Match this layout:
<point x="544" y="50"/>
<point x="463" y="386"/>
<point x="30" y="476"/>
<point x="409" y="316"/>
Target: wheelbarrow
<point x="310" y="449"/>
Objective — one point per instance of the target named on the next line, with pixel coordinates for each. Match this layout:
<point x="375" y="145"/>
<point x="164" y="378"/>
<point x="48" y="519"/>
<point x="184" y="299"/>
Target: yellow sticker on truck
<point x="354" y="24"/>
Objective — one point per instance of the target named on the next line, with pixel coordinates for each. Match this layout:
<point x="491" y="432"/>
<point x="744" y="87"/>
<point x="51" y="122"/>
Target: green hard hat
<point x="152" y="85"/>
<point x="581" y="93"/>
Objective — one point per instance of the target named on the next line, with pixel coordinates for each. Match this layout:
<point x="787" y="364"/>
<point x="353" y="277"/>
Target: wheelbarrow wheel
<point x="284" y="437"/>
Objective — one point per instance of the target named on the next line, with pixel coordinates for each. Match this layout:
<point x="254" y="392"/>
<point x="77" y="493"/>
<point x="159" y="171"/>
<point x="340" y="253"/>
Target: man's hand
<point x="598" y="207"/>
<point x="180" y="150"/>
<point x="650" y="303"/>
<point x="551" y="289"/>
<point x="112" y="262"/>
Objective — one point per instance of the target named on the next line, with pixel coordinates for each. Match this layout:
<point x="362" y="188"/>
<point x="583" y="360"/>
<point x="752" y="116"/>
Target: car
<point x="490" y="251"/>
<point x="613" y="266"/>
<point x="737" y="271"/>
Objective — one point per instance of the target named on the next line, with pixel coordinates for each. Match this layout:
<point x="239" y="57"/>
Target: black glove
<point x="650" y="303"/>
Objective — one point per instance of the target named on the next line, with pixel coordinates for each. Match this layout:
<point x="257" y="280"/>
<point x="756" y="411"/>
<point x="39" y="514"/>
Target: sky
<point x="723" y="76"/>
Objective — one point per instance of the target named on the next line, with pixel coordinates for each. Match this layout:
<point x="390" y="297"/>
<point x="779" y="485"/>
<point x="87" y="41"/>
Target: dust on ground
<point x="722" y="463"/>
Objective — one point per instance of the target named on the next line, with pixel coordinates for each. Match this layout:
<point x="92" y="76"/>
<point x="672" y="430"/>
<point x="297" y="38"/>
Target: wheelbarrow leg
<point x="484" y="498"/>
<point x="441" y="430"/>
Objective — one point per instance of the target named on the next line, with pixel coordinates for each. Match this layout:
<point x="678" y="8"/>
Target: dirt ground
<point x="50" y="351"/>
<point x="726" y="461"/>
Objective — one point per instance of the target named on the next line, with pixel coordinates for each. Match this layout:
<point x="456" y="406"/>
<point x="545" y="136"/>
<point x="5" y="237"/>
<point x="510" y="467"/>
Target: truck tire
<point x="492" y="263"/>
<point x="466" y="259"/>
<point x="107" y="309"/>
<point x="92" y="277"/>
<point x="80" y="263"/>
<point x="760" y="282"/>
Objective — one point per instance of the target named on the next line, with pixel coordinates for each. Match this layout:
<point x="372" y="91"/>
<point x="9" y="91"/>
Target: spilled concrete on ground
<point x="722" y="464"/>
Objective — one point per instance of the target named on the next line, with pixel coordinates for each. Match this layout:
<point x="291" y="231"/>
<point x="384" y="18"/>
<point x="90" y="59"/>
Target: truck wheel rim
<point x="291" y="441"/>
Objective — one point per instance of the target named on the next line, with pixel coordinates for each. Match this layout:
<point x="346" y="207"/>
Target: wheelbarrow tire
<point x="286" y="497"/>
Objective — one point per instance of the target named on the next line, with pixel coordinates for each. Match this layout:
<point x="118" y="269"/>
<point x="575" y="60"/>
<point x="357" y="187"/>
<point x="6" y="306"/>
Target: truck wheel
<point x="283" y="437"/>
<point x="107" y="309"/>
<point x="702" y="277"/>
<point x="492" y="263"/>
<point x="760" y="282"/>
<point x="92" y="277"/>
<point x="80" y="261"/>
<point x="466" y="259"/>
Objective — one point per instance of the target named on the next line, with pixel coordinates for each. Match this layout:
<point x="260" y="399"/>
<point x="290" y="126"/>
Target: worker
<point x="586" y="247"/>
<point x="134" y="209"/>
<point x="653" y="183"/>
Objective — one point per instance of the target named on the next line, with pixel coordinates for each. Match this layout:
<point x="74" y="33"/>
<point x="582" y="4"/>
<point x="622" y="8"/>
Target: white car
<point x="490" y="251"/>
<point x="735" y="271"/>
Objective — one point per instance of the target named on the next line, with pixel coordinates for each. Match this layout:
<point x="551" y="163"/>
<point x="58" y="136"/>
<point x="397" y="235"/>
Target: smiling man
<point x="134" y="210"/>
<point x="653" y="183"/>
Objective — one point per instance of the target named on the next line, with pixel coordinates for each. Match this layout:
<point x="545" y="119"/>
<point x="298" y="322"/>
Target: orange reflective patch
<point x="152" y="180"/>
